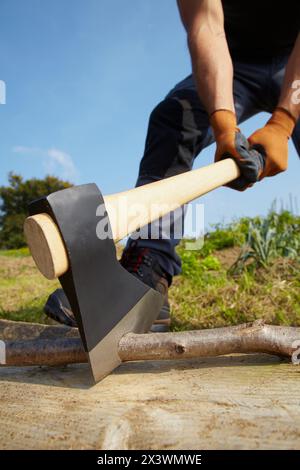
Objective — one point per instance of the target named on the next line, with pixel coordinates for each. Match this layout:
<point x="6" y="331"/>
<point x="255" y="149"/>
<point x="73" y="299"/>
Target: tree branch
<point x="56" y="345"/>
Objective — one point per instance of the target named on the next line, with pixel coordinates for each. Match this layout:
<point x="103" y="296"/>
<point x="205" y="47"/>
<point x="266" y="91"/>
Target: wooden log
<point x="19" y="330"/>
<point x="253" y="337"/>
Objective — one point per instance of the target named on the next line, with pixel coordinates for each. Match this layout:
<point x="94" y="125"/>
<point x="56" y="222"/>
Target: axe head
<point x="107" y="301"/>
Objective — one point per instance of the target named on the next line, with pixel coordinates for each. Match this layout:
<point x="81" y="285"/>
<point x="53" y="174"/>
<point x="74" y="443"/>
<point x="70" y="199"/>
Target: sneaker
<point x="140" y="263"/>
<point x="58" y="308"/>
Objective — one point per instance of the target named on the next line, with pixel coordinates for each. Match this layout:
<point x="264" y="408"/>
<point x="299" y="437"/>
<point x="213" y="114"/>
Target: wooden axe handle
<point x="127" y="211"/>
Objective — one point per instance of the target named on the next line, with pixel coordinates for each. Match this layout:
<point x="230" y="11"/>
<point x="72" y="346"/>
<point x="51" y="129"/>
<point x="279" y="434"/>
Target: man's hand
<point x="231" y="143"/>
<point x="272" y="142"/>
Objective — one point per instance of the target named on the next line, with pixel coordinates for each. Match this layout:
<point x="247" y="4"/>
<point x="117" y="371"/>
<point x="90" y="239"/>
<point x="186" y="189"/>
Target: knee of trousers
<point x="163" y="139"/>
<point x="167" y="116"/>
<point x="172" y="142"/>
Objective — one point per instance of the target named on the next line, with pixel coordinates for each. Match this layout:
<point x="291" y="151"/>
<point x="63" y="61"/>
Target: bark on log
<point x="60" y="345"/>
<point x="19" y="330"/>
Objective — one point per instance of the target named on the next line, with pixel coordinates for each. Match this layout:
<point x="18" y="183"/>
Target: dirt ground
<point x="230" y="402"/>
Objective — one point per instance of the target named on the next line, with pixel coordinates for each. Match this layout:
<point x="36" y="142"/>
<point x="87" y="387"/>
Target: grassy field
<point x="23" y="290"/>
<point x="213" y="290"/>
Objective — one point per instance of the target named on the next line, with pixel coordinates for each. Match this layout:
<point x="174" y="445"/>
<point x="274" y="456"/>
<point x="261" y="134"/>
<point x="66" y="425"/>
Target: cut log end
<point x="46" y="245"/>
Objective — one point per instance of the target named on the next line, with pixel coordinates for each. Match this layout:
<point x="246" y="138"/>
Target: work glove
<point x="272" y="141"/>
<point x="231" y="143"/>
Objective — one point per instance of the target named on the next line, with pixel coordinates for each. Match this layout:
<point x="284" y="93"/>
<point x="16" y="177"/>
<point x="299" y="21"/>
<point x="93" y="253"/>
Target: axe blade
<point x="95" y="282"/>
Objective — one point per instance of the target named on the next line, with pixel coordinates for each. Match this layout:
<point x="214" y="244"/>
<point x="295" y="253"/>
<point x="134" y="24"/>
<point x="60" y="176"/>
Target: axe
<point x="61" y="233"/>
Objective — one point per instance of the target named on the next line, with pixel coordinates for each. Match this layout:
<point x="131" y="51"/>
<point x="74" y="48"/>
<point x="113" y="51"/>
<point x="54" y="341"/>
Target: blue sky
<point x="82" y="77"/>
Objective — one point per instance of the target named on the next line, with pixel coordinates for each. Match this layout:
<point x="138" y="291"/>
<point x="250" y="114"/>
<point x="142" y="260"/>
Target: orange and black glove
<point x="231" y="143"/>
<point x="272" y="141"/>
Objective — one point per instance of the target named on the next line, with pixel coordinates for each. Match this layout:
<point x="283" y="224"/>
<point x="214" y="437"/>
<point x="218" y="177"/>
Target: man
<point x="245" y="59"/>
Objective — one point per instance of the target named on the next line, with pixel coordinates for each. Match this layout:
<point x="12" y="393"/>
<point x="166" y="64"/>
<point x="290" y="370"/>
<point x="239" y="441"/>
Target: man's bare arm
<point x="211" y="61"/>
<point x="213" y="73"/>
<point x="272" y="139"/>
<point x="287" y="99"/>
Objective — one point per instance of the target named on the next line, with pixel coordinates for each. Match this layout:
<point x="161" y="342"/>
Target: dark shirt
<point x="261" y="28"/>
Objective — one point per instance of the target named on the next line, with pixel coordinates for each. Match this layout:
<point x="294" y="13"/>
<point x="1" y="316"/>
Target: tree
<point x="14" y="200"/>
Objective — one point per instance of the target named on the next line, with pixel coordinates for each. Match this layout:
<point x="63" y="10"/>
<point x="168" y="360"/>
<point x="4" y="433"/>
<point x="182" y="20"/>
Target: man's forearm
<point x="290" y="97"/>
<point x="212" y="69"/>
<point x="211" y="61"/>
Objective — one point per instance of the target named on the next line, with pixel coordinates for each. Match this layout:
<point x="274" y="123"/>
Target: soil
<point x="228" y="256"/>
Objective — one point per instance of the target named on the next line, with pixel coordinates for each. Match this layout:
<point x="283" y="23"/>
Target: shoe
<point x="140" y="263"/>
<point x="58" y="308"/>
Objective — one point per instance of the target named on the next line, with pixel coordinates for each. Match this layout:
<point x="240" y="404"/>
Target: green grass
<point x="23" y="290"/>
<point x="220" y="299"/>
<point x="207" y="294"/>
<point x="16" y="253"/>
